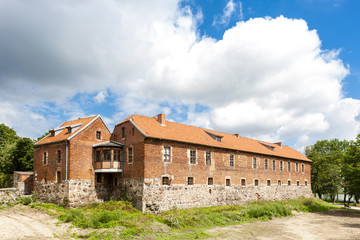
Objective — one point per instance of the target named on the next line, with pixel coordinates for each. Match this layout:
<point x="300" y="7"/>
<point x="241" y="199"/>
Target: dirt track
<point x="22" y="222"/>
<point x="335" y="224"/>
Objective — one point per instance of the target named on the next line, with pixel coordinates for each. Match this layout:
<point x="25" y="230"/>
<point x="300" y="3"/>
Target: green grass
<point x="119" y="220"/>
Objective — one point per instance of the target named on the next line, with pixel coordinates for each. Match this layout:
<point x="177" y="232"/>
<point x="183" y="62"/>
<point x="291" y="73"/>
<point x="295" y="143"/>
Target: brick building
<point x="160" y="164"/>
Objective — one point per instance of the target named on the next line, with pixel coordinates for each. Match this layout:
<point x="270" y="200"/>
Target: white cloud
<point x="267" y="78"/>
<point x="228" y="12"/>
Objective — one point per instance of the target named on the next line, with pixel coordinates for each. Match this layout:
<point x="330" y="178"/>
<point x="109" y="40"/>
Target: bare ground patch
<point x="334" y="224"/>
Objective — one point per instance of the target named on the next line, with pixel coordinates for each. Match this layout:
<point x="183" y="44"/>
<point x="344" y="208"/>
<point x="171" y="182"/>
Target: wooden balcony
<point x="109" y="167"/>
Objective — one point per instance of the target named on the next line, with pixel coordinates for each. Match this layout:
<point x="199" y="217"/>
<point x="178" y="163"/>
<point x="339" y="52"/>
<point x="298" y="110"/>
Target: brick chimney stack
<point x="161" y="118"/>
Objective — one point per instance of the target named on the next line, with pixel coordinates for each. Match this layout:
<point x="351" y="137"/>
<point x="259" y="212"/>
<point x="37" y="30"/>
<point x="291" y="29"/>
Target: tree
<point x="23" y="155"/>
<point x="8" y="139"/>
<point x="326" y="166"/>
<point x="351" y="170"/>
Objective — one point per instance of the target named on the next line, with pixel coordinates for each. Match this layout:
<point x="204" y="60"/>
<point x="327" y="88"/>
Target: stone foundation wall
<point x="9" y="195"/>
<point x="132" y="189"/>
<point x="52" y="192"/>
<point x="159" y="198"/>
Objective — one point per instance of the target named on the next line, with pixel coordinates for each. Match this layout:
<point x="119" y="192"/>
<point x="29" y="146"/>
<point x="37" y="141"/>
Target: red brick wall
<point x="219" y="169"/>
<point x="135" y="169"/>
<point x="81" y="160"/>
<point x="49" y="170"/>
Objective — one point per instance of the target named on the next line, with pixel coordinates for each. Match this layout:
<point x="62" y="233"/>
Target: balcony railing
<point x="113" y="166"/>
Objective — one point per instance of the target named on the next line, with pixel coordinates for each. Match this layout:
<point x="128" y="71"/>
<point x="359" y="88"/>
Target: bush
<point x="6" y="180"/>
<point x="26" y="200"/>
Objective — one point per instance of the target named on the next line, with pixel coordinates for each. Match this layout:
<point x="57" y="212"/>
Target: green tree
<point x="327" y="156"/>
<point x="8" y="139"/>
<point x="351" y="170"/>
<point x="23" y="155"/>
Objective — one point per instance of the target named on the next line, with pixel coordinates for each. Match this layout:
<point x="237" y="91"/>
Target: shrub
<point x="25" y="200"/>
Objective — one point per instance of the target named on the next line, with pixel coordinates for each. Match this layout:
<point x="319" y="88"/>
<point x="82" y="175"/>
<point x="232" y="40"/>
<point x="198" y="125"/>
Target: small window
<point x="58" y="159"/>
<point x="256" y="182"/>
<point x="243" y="182"/>
<point x="302" y="168"/>
<point x="117" y="155"/>
<point x="208" y="158"/>
<point x="69" y="130"/>
<point x="289" y="167"/>
<point x="254" y="163"/>
<point x="98" y="135"/>
<point x="192" y="156"/>
<point x="166" y="156"/>
<point x="281" y="166"/>
<point x="289" y="182"/>
<point x="227" y="182"/>
<point x="98" y="156"/>
<point x="98" y="178"/>
<point x="231" y="160"/>
<point x="296" y="167"/>
<point x="305" y="183"/>
<point x="265" y="164"/>
<point x="130" y="154"/>
<point x="190" y="181"/>
<point x="274" y="165"/>
<point x="279" y="182"/>
<point x="58" y="177"/>
<point x="217" y="138"/>
<point x="45" y="158"/>
<point x="122" y="132"/>
<point x="297" y="183"/>
<point x="210" y="181"/>
<point x="268" y="182"/>
<point x="165" y="181"/>
<point x="52" y="133"/>
<point x="133" y="131"/>
<point x="106" y="155"/>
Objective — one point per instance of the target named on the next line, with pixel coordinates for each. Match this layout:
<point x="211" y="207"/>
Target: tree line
<point x="335" y="168"/>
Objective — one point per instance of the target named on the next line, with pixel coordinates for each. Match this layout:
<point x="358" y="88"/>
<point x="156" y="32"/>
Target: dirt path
<point x="22" y="222"/>
<point x="336" y="224"/>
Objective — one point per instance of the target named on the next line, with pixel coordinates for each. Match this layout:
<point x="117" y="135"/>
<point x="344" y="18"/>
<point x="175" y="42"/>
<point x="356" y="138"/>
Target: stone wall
<point x="158" y="198"/>
<point x="9" y="195"/>
<point x="52" y="192"/>
<point x="132" y="189"/>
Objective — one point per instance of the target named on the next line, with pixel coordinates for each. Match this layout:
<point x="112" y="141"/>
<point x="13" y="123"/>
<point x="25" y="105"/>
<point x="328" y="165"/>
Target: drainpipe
<point x="66" y="160"/>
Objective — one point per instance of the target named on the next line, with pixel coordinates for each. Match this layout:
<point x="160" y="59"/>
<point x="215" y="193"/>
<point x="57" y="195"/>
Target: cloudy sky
<point x="275" y="70"/>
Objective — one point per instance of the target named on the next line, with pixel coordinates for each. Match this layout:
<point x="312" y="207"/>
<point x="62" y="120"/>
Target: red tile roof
<point x="61" y="132"/>
<point x="189" y="134"/>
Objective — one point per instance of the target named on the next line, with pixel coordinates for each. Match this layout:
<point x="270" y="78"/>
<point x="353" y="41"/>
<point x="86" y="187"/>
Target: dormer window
<point x="267" y="146"/>
<point x="69" y="129"/>
<point x="214" y="136"/>
<point x="52" y="133"/>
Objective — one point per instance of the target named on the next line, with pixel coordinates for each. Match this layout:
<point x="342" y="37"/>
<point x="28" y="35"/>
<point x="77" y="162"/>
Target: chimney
<point x="237" y="135"/>
<point x="161" y="118"/>
<point x="279" y="144"/>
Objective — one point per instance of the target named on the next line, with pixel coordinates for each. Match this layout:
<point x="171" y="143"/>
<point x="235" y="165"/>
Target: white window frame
<point x="192" y="150"/>
<point x="231" y="160"/>
<point x="166" y="154"/>
<point x="254" y="162"/>
<point x="266" y="164"/>
<point x="207" y="158"/>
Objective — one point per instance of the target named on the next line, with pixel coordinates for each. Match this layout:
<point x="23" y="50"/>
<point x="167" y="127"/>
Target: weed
<point x="25" y="200"/>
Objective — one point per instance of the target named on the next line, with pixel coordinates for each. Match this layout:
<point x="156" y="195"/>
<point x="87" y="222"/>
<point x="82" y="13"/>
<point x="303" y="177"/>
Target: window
<point x="256" y="182"/>
<point x="130" y="154"/>
<point x="52" y="133"/>
<point x="227" y="182"/>
<point x="208" y="158"/>
<point x="274" y="165"/>
<point x="297" y="183"/>
<point x="98" y="178"/>
<point x="117" y="155"/>
<point x="243" y="182"/>
<point x="190" y="181"/>
<point x="296" y="167"/>
<point x="281" y="166"/>
<point x="165" y="181"/>
<point x="98" y="156"/>
<point x="305" y="183"/>
<point x="289" y="167"/>
<point x="58" y="177"/>
<point x="268" y="182"/>
<point x="231" y="160"/>
<point x="98" y="135"/>
<point x="45" y="158"/>
<point x="265" y="164"/>
<point x="58" y="156"/>
<point x="166" y="157"/>
<point x="210" y="181"/>
<point x="192" y="156"/>
<point x="133" y="131"/>
<point x="217" y="138"/>
<point x="69" y="130"/>
<point x="122" y="132"/>
<point x="289" y="182"/>
<point x="279" y="182"/>
<point x="254" y="163"/>
<point x="106" y="155"/>
<point x="302" y="168"/>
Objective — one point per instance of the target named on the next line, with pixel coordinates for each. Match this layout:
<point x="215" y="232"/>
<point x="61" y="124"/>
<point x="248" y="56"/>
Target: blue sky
<point x="272" y="70"/>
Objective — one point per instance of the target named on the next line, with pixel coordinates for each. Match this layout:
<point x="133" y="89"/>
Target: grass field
<point x="119" y="220"/>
